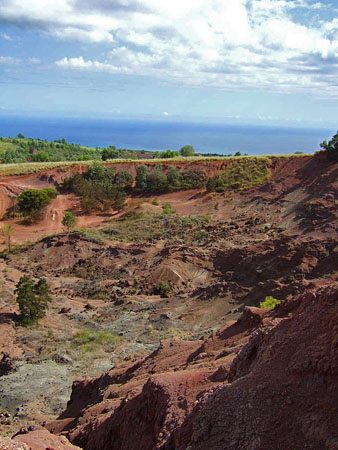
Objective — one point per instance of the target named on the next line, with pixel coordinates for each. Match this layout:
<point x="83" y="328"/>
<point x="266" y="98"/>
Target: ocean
<point x="163" y="135"/>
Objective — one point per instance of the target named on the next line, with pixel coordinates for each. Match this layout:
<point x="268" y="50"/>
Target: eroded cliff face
<point x="269" y="380"/>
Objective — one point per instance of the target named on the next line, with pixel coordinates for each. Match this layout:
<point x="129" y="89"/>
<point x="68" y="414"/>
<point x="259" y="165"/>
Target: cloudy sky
<point x="259" y="61"/>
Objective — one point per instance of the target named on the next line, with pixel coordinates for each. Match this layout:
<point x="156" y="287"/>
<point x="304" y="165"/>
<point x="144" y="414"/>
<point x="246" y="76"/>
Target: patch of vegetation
<point x="31" y="202"/>
<point x="20" y="149"/>
<point x="269" y="303"/>
<point x="163" y="289"/>
<point x="32" y="298"/>
<point x="68" y="220"/>
<point x="187" y="150"/>
<point x="167" y="209"/>
<point x="100" y="188"/>
<point x="137" y="226"/>
<point x="242" y="173"/>
<point x="331" y="147"/>
<point x="88" y="341"/>
<point x="162" y="179"/>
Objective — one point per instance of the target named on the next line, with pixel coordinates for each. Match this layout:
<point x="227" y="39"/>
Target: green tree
<point x="187" y="150"/>
<point x="68" y="220"/>
<point x="174" y="179"/>
<point x="31" y="201"/>
<point x="32" y="298"/>
<point x="123" y="181"/>
<point x="110" y="153"/>
<point x="20" y="136"/>
<point x="331" y="147"/>
<point x="157" y="181"/>
<point x="141" y="179"/>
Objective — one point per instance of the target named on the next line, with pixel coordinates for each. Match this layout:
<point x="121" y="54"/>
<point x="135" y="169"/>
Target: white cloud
<point x="9" y="60"/>
<point x="229" y="44"/>
<point x="6" y="37"/>
<point x="165" y="113"/>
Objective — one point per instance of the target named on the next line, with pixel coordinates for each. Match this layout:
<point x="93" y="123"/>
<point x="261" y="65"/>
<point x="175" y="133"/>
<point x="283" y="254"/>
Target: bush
<point x="141" y="179"/>
<point x="193" y="179"/>
<point x="167" y="154"/>
<point x="31" y="201"/>
<point x="32" y="298"/>
<point x="68" y="220"/>
<point x="157" y="182"/>
<point x="163" y="288"/>
<point x="269" y="303"/>
<point x="100" y="188"/>
<point x="167" y="209"/>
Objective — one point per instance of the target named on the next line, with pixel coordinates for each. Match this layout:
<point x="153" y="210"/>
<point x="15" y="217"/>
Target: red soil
<point x="292" y="180"/>
<point x="270" y="380"/>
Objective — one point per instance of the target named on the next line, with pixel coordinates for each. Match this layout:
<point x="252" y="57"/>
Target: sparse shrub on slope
<point x="163" y="289"/>
<point x="68" y="220"/>
<point x="269" y="303"/>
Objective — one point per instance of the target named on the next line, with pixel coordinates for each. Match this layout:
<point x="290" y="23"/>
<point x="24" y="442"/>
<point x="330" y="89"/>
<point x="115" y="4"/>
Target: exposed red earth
<point x="205" y="368"/>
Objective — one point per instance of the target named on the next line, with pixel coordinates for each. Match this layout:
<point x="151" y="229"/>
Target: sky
<point x="225" y="61"/>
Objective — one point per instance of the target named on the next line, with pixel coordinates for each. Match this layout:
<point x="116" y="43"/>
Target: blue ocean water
<point x="161" y="135"/>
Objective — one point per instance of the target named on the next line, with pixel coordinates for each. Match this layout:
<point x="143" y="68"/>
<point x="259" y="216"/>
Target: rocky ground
<point x="202" y="367"/>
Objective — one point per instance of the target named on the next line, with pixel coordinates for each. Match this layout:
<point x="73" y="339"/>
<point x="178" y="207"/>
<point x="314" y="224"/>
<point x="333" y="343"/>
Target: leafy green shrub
<point x="100" y="187"/>
<point x="167" y="209"/>
<point x="32" y="298"/>
<point x="163" y="289"/>
<point x="157" y="181"/>
<point x="193" y="179"/>
<point x="68" y="220"/>
<point x="31" y="201"/>
<point x="162" y="180"/>
<point x="269" y="303"/>
<point x="167" y="154"/>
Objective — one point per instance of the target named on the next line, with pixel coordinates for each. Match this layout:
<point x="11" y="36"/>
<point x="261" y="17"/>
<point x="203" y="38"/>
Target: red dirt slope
<point x="268" y="381"/>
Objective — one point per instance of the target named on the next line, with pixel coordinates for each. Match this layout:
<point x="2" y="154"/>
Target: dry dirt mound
<point x="267" y="381"/>
<point x="37" y="440"/>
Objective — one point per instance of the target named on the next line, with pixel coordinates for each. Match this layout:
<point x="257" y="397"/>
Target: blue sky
<point x="228" y="61"/>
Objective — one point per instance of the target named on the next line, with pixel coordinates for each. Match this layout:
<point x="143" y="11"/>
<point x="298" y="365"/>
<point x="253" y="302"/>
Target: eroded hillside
<point x="195" y="366"/>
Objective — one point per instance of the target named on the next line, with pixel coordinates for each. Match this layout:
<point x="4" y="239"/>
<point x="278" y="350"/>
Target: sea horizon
<point x="159" y="135"/>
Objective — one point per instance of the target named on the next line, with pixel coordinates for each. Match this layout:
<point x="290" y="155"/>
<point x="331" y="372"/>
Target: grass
<point x="142" y="227"/>
<point x="88" y="341"/>
<point x="27" y="168"/>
